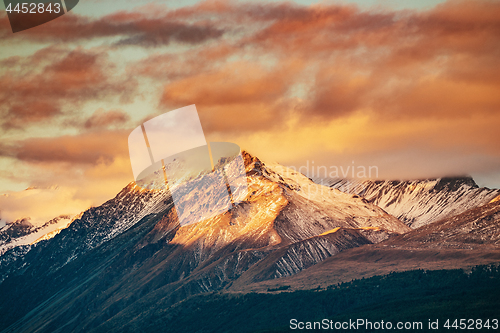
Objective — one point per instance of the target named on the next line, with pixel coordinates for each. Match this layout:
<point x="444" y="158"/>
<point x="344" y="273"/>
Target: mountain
<point x="22" y="232"/>
<point x="94" y="227"/>
<point x="419" y="202"/>
<point x="130" y="255"/>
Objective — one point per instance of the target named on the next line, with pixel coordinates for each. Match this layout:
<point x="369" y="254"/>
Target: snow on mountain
<point x="73" y="237"/>
<point x="419" y="202"/>
<point x="476" y="227"/>
<point x="22" y="232"/>
<point x="312" y="205"/>
<point x="100" y="224"/>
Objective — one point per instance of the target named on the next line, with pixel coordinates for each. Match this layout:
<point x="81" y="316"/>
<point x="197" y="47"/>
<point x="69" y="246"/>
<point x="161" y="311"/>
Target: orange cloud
<point x="35" y="89"/>
<point x="239" y="96"/>
<point x="237" y="83"/>
<point x="136" y="28"/>
<point x="86" y="148"/>
<point x="104" y="119"/>
<point x="437" y="63"/>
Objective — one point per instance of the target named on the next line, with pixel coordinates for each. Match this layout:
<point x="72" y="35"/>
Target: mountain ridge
<point x="419" y="202"/>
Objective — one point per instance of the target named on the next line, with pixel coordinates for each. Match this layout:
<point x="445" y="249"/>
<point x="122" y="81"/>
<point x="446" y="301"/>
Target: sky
<point x="411" y="87"/>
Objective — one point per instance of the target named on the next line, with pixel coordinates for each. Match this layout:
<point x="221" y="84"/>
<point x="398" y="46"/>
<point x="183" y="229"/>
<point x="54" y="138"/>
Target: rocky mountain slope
<point x="420" y="202"/>
<point x="22" y="232"/>
<point x="87" y="231"/>
<point x="477" y="227"/>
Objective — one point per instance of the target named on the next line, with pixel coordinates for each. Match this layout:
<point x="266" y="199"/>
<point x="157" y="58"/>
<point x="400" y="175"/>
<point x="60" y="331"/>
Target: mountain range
<point x="420" y="202"/>
<point x="122" y="264"/>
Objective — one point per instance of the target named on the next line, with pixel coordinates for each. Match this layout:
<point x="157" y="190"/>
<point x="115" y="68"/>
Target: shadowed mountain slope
<point x="462" y="241"/>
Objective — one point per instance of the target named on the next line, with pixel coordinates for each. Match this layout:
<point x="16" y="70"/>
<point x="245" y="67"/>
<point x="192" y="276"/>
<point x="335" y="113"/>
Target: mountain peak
<point x="454" y="183"/>
<point x="23" y="222"/>
<point x="249" y="158"/>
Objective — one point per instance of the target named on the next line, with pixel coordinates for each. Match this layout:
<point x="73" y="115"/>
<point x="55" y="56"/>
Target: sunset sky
<point x="412" y="87"/>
